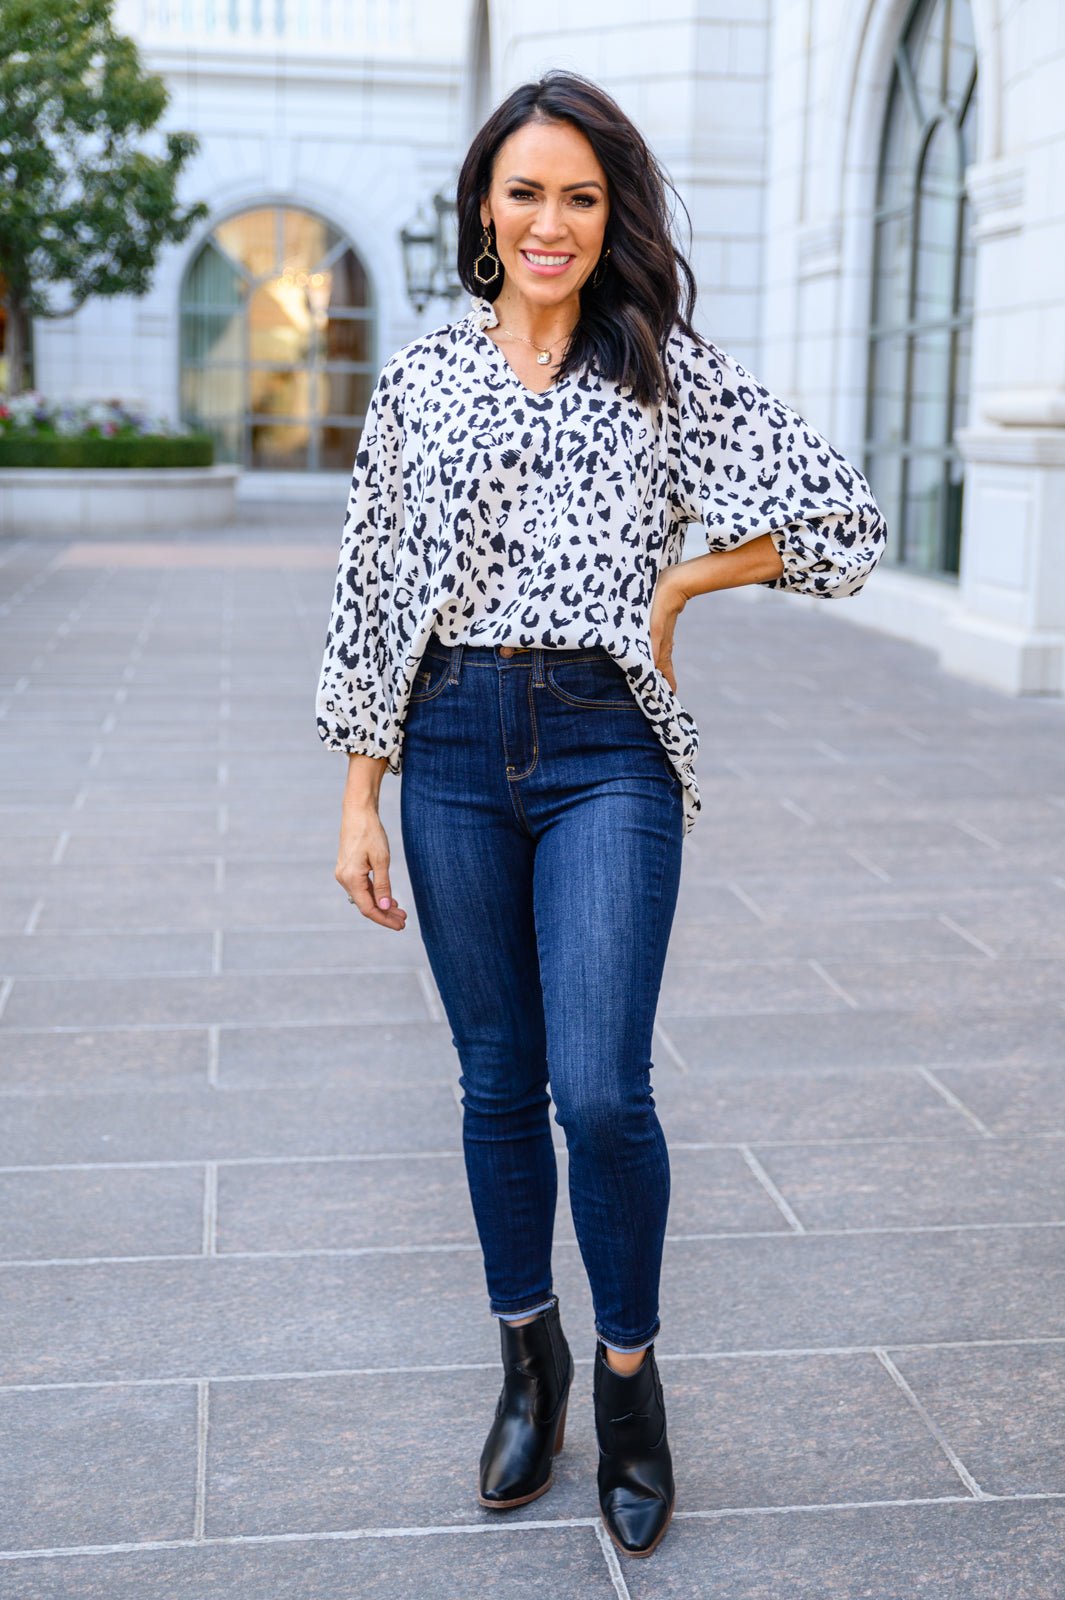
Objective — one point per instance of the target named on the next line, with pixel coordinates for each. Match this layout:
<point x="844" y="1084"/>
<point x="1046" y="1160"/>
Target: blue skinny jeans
<point x="542" y="826"/>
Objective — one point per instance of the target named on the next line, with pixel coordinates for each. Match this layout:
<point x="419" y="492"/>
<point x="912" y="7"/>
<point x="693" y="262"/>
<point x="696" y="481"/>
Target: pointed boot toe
<point x="636" y="1487"/>
<point x="529" y="1426"/>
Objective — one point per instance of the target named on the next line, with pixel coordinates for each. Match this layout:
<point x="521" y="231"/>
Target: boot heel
<point x="560" y="1436"/>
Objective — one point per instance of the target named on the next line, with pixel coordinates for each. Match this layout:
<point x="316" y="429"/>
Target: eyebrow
<point x="531" y="183"/>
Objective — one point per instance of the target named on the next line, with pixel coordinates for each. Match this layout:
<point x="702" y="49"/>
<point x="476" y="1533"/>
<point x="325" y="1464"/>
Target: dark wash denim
<point x="542" y="825"/>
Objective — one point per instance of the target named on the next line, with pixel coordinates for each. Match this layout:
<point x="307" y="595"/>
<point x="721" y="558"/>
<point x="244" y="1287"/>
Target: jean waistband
<point x="490" y="654"/>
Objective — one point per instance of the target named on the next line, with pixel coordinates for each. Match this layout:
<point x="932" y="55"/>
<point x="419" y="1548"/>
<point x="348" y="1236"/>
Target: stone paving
<point x="243" y="1339"/>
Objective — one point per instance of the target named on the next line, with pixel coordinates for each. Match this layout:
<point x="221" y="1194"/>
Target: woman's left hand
<point x="666" y="606"/>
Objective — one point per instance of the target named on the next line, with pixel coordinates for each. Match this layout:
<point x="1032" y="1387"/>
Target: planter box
<point x="73" y="502"/>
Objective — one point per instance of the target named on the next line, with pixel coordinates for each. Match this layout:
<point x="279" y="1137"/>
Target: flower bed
<point x="58" y="477"/>
<point x="35" y="432"/>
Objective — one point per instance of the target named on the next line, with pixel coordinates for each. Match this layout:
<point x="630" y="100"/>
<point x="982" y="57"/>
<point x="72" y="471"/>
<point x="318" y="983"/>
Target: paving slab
<point x="974" y="1551"/>
<point x="206" y="1125"/>
<point x="449" y="1566"/>
<point x="111" y="1211"/>
<point x="114" y="1465"/>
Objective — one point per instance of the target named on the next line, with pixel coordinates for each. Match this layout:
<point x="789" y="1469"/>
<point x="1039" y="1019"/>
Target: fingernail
<point x="384" y="902"/>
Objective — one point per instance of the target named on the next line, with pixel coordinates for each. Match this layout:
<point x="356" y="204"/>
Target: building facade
<point x="874" y="227"/>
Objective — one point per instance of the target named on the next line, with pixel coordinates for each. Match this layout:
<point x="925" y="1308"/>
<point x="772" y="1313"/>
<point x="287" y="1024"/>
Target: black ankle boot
<point x="530" y="1419"/>
<point x="636" y="1489"/>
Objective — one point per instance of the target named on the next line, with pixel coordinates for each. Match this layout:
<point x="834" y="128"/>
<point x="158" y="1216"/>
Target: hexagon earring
<point x="487" y="253"/>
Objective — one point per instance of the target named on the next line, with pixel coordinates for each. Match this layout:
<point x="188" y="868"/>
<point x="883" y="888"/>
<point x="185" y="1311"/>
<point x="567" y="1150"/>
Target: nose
<point x="549" y="223"/>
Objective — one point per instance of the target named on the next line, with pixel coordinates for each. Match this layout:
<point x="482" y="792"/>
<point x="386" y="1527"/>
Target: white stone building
<point x="877" y="233"/>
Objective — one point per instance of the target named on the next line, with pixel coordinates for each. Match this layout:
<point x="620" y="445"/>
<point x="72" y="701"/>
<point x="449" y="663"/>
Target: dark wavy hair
<point x="647" y="285"/>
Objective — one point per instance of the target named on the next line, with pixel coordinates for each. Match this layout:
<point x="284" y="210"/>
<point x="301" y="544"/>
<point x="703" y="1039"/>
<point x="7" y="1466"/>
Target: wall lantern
<point x="430" y="250"/>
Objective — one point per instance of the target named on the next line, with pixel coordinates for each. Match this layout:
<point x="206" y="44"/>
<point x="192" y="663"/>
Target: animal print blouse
<point x="495" y="515"/>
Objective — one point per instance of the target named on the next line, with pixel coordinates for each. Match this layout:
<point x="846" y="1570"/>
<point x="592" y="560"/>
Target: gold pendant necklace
<point x="542" y="356"/>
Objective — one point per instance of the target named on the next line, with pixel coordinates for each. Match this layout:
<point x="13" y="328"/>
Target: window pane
<point x="286" y="391"/>
<point x="212" y="336"/>
<point x="304" y="240"/>
<point x="347" y="339"/>
<point x="930" y="388"/>
<point x="883" y="470"/>
<point x="213" y="280"/>
<point x="925" y="47"/>
<point x="280" y="446"/>
<point x="937" y="224"/>
<point x="211" y="392"/>
<point x="892" y="272"/>
<point x="280" y="322"/>
<point x="925" y="512"/>
<point x="898" y="160"/>
<point x="337" y="448"/>
<point x="345" y="394"/>
<point x="251" y="239"/>
<point x="348" y="286"/>
<point x="887" y="379"/>
<point x="961" y="53"/>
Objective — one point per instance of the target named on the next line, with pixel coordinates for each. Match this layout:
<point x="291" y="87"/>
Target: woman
<point x="509" y="584"/>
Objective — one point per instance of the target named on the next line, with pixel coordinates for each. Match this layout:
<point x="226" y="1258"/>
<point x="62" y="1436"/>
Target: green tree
<point x="84" y="210"/>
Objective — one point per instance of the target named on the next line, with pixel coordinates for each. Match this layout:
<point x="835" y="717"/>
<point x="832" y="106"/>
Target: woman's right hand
<point x="363" y="855"/>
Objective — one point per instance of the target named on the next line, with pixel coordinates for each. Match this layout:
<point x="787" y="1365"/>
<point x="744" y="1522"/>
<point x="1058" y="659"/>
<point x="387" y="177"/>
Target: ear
<point x="486" y="215"/>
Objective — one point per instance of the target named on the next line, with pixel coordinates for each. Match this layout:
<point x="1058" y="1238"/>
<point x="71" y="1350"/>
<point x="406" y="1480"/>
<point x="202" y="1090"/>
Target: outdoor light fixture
<point x="430" y="250"/>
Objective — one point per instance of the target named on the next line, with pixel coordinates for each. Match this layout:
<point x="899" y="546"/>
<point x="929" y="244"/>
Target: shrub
<point x="35" y="432"/>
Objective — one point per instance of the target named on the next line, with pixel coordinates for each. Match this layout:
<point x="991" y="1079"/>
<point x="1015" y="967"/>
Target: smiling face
<point x="548" y="199"/>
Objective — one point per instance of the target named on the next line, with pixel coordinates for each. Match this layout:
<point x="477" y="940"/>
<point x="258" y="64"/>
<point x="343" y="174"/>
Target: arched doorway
<point x="277" y="341"/>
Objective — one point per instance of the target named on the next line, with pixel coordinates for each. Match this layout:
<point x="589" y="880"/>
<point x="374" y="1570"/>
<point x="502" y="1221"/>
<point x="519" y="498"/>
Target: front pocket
<point x="598" y="684"/>
<point x="430" y="677"/>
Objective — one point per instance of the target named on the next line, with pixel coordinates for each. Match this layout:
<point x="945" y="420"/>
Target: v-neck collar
<point x="482" y="315"/>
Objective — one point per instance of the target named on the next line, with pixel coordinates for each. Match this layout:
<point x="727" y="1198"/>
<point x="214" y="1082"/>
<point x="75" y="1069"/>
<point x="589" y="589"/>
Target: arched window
<point x="277" y="336"/>
<point x="921" y="333"/>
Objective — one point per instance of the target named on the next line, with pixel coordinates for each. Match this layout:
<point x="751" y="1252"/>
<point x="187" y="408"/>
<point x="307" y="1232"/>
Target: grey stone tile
<point x="869" y="1040"/>
<point x="116" y="1058"/>
<point x="1002" y="1408"/>
<point x="974" y="1551"/>
<point x="323" y="912"/>
<point x="99" y="850"/>
<point x="1027" y="1099"/>
<point x="326" y="950"/>
<point x="116" y="1212"/>
<point x="792" y="1104"/>
<point x="92" y="955"/>
<point x="933" y="1183"/>
<point x="859" y="938"/>
<point x="797" y="1430"/>
<point x="226" y="999"/>
<point x="338" y="1452"/>
<point x="341" y="1204"/>
<point x="210" y="1125"/>
<point x="218" y="1316"/>
<point x="710" y="988"/>
<point x="950" y="983"/>
<point x="394" y="1053"/>
<point x="449" y="1566"/>
<point x="810" y="1290"/>
<point x="95" y="1466"/>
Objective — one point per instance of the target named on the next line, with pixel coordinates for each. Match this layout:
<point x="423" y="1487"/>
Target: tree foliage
<point x="86" y="201"/>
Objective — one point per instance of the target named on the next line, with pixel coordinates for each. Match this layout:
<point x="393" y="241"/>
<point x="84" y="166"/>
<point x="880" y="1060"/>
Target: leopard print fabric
<point x="495" y="515"/>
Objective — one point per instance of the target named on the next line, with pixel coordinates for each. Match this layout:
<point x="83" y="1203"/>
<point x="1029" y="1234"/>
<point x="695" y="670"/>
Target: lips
<point x="546" y="262"/>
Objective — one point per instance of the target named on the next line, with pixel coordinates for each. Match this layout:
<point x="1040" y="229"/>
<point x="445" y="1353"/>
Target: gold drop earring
<point x="488" y="253"/>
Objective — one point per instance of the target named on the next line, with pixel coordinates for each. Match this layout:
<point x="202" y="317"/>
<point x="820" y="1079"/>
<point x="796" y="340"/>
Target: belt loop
<point x="538" y="667"/>
<point x="456" y="663"/>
